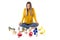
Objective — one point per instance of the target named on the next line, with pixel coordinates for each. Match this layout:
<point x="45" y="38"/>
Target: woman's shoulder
<point x="25" y="8"/>
<point x="32" y="8"/>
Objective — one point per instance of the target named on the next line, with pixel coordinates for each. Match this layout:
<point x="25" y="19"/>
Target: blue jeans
<point x="24" y="25"/>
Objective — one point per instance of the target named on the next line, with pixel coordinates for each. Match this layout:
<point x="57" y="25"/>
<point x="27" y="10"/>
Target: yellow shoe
<point x="42" y="32"/>
<point x="40" y="28"/>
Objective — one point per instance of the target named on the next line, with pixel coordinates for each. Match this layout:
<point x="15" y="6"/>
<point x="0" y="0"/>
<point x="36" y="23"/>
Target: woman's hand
<point x="37" y="22"/>
<point x="20" y="23"/>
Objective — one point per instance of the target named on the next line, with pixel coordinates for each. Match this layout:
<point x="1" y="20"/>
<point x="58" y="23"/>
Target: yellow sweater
<point x="28" y="19"/>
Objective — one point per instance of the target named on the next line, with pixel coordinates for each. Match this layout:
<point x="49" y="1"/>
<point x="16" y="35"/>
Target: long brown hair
<point x="30" y="8"/>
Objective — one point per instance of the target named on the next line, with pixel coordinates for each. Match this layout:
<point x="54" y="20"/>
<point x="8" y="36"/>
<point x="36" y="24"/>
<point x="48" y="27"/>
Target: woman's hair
<point x="30" y="8"/>
<point x="29" y="3"/>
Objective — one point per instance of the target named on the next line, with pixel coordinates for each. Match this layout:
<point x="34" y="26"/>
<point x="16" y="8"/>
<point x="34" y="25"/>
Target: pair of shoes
<point x="42" y="30"/>
<point x="11" y="28"/>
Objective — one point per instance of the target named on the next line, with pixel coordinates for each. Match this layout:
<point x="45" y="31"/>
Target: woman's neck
<point x="28" y="9"/>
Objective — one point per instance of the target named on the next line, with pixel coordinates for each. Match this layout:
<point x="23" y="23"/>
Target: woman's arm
<point x="23" y="16"/>
<point x="34" y="15"/>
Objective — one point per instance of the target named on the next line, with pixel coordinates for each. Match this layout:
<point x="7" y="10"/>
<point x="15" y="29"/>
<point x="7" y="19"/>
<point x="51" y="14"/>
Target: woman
<point x="28" y="16"/>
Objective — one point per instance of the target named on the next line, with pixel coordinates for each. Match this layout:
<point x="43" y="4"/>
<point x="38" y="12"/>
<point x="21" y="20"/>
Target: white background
<point x="47" y="12"/>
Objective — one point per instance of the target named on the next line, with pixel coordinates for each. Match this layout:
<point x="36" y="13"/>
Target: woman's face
<point x="28" y="6"/>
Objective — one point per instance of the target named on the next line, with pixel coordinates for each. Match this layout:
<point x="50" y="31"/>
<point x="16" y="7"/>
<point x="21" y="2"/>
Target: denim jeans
<point x="24" y="25"/>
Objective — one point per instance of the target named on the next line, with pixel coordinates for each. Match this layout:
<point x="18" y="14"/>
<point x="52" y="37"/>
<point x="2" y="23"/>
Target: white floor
<point x="48" y="16"/>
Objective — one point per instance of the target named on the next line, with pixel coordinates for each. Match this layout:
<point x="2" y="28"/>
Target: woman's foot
<point x="31" y="28"/>
<point x="23" y="29"/>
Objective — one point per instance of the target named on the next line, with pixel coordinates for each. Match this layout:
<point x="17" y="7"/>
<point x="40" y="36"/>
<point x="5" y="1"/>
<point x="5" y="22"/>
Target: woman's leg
<point x="25" y="27"/>
<point x="33" y="26"/>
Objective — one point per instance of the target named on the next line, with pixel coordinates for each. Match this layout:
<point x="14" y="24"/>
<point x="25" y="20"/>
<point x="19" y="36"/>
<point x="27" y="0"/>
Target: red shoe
<point x="19" y="34"/>
<point x="30" y="34"/>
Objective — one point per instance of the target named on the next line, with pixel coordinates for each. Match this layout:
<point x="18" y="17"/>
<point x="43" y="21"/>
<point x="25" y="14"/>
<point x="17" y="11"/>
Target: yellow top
<point x="28" y="19"/>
